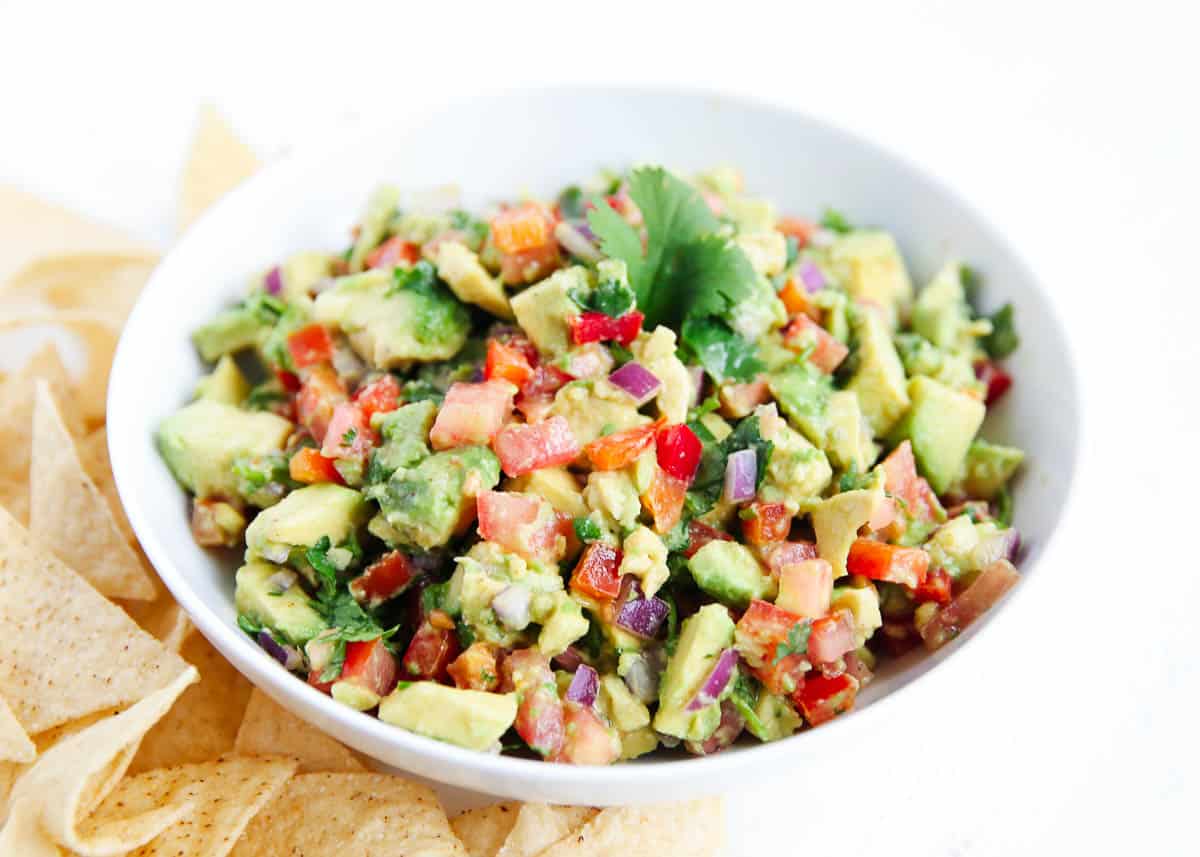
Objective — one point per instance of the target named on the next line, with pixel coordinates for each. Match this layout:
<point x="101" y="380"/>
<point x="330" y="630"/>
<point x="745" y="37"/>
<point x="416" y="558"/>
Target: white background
<point x="1073" y="125"/>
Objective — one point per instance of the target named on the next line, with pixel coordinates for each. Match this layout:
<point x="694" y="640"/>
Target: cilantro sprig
<point x="710" y="476"/>
<point x="1003" y="339"/>
<point x="796" y="643"/>
<point x="349" y="621"/>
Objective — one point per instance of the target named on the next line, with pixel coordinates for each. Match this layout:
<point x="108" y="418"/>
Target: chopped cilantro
<point x="249" y="624"/>
<point x="835" y="221"/>
<point x="793" y="250"/>
<point x="264" y="307"/>
<point x="571" y="203"/>
<point x="611" y="297"/>
<point x="348" y="436"/>
<point x="706" y="407"/>
<point x="466" y="634"/>
<point x="1004" y="507"/>
<point x="421" y="390"/>
<point x="678" y="537"/>
<point x="587" y="530"/>
<point x="621" y="355"/>
<point x="745" y="699"/>
<point x="264" y="395"/>
<point x="672" y="621"/>
<point x="970" y="280"/>
<point x="724" y="355"/>
<point x="476" y="230"/>
<point x="710" y="477"/>
<point x="797" y="642"/>
<point x="1003" y="339"/>
<point x="421" y="277"/>
<point x="434" y="597"/>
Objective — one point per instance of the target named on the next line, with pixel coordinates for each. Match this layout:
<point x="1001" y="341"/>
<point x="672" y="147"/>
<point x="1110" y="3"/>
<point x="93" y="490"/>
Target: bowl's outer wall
<point x="494" y="148"/>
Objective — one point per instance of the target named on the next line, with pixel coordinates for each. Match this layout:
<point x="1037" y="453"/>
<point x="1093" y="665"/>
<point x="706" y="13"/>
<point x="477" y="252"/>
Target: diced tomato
<point x="936" y="587"/>
<point x="902" y="482"/>
<point x="383" y="579"/>
<point x="598" y="327"/>
<point x="822" y="698"/>
<point x="620" y="449"/>
<point x="546" y="381"/>
<point x="795" y="298"/>
<point x="310" y="345"/>
<point x="380" y="396"/>
<point x="524" y="524"/>
<point x="370" y="666"/>
<point x="475" y="669"/>
<point x="507" y="362"/>
<point x="430" y="652"/>
<point x="831" y="637"/>
<point x="701" y="534"/>
<point x="472" y="414"/>
<point x="288" y="380"/>
<point x="857" y="668"/>
<point x="522" y="228"/>
<point x="597" y="576"/>
<point x="760" y="629"/>
<point x="738" y="400"/>
<point x="770" y="522"/>
<point x="664" y="499"/>
<point x="525" y="448"/>
<point x="349" y="435"/>
<point x="797" y="227"/>
<point x="308" y="466"/>
<point x="531" y="265"/>
<point x="879" y="561"/>
<point x="321" y="392"/>
<point x="994" y="377"/>
<point x="827" y="354"/>
<point x="679" y="451"/>
<point x="314" y="678"/>
<point x="778" y="555"/>
<point x="540" y="716"/>
<point x="991" y="585"/>
<point x="805" y="588"/>
<point x="392" y="252"/>
<point x="587" y="739"/>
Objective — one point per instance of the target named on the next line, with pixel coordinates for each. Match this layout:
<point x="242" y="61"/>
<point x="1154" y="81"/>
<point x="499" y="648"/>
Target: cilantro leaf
<point x="318" y="558"/>
<point x="723" y="354"/>
<point x="610" y="297"/>
<point x="710" y="476"/>
<point x="745" y="699"/>
<point x="1004" y="508"/>
<point x="249" y="624"/>
<point x="570" y="202"/>
<point x="421" y="277"/>
<point x="835" y="221"/>
<point x="348" y="436"/>
<point x="264" y="395"/>
<point x="1003" y="339"/>
<point x="586" y="530"/>
<point x="797" y="642"/>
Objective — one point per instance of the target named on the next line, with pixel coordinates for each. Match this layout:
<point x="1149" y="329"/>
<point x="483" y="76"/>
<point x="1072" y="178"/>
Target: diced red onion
<point x="319" y="650"/>
<point x="584" y="229"/>
<point x="696" y="376"/>
<point x="576" y="243"/>
<point x="636" y="380"/>
<point x="1001" y="545"/>
<point x="714" y="685"/>
<point x="280" y="581"/>
<point x="811" y="276"/>
<point x="991" y="585"/>
<point x="642" y="679"/>
<point x="643" y="617"/>
<point x="584" y="686"/>
<point x="589" y="361"/>
<point x="512" y="607"/>
<point x="568" y="660"/>
<point x="741" y="476"/>
<point x="347" y="364"/>
<point x="287" y="655"/>
<point x="276" y="553"/>
<point x="274" y="281"/>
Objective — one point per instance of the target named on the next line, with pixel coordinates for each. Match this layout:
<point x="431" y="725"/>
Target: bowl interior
<point x="492" y="148"/>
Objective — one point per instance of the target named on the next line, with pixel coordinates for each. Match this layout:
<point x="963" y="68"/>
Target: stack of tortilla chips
<point x="121" y="730"/>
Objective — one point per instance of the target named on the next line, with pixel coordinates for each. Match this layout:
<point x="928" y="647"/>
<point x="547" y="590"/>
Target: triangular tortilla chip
<point x="218" y="162"/>
<point x="225" y="795"/>
<point x="93" y="454"/>
<point x="269" y="729"/>
<point x="104" y="282"/>
<point x="70" y="779"/>
<point x="204" y="723"/>
<point x="15" y="745"/>
<point x="539" y="826"/>
<point x="692" y="829"/>
<point x="70" y="515"/>
<point x="163" y="619"/>
<point x="67" y="651"/>
<point x="483" y="830"/>
<point x="372" y="814"/>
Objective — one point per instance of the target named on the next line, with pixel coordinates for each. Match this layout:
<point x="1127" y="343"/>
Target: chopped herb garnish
<point x="249" y="624"/>
<point x="710" y="477"/>
<point x="1004" y="507"/>
<point x="835" y="221"/>
<point x="587" y="530"/>
<point x="1003" y="339"/>
<point x="348" y="436"/>
<point x="611" y="297"/>
<point x="797" y="642"/>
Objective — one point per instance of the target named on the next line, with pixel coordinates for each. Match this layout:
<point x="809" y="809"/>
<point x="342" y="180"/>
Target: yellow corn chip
<point x="70" y="515"/>
<point x="351" y="814"/>
<point x="162" y="618"/>
<point x="104" y="282"/>
<point x="93" y="454"/>
<point x="70" y="779"/>
<point x="269" y="729"/>
<point x="482" y="831"/>
<point x="539" y="826"/>
<point x="67" y="651"/>
<point x="204" y="723"/>
<point x="218" y="162"/>
<point x="691" y="829"/>
<point x="224" y="796"/>
<point x="15" y="745"/>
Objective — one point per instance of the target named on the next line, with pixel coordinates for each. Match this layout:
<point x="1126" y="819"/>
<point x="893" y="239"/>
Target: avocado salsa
<point x="644" y="465"/>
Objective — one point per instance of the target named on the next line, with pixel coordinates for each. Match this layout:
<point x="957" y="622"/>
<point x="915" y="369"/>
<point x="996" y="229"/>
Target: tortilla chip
<point x="218" y="162"/>
<point x="690" y="829"/>
<point x="163" y="619"/>
<point x="224" y="796"/>
<point x="105" y="282"/>
<point x="74" y="776"/>
<point x="539" y="826"/>
<point x="15" y="745"/>
<point x="204" y="723"/>
<point x="67" y="650"/>
<point x="269" y="729"/>
<point x="70" y="515"/>
<point x="93" y="455"/>
<point x="33" y="228"/>
<point x="351" y="814"/>
<point x="482" y="831"/>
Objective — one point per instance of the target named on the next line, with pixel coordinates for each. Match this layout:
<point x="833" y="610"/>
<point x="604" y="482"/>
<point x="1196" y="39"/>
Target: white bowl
<point x="495" y="147"/>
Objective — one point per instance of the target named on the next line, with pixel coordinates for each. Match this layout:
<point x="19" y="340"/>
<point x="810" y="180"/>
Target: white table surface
<point x="1068" y="732"/>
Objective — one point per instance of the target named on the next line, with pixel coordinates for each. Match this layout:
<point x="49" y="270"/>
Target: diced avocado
<point x="766" y="250"/>
<point x="868" y="263"/>
<point x="988" y="469"/>
<point x="848" y="439"/>
<point x="225" y="383"/>
<point x="656" y="352"/>
<point x="262" y="480"/>
<point x="543" y="310"/>
<point x="287" y="612"/>
<point x="593" y="408"/>
<point x="751" y="214"/>
<point x="612" y="495"/>
<point x="957" y="546"/>
<point x="459" y="267"/>
<point x="354" y="695"/>
<point x="797" y="471"/>
<point x="230" y="331"/>
<point x="274" y="345"/>
<point x="644" y="470"/>
<point x="381" y="205"/>
<point x="837" y="519"/>
<point x="301" y="518"/>
<point x="420" y="227"/>
<point x="776" y="718"/>
<point x="941" y="425"/>
<point x="879" y="379"/>
<point x="760" y="311"/>
<point x="725" y="180"/>
<point x="481" y="575"/>
<point x="704" y="635"/>
<point x="728" y="572"/>
<point x="557" y="485"/>
<point x="200" y="442"/>
<point x="392" y="327"/>
<point x="803" y="392"/>
<point x="835" y="308"/>
<point x="922" y="357"/>
<point x="565" y="624"/>
<point x="943" y="316"/>
<point x="639" y="742"/>
<point x="302" y="272"/>
<point x="644" y="555"/>
<point x="428" y="504"/>
<point x="405" y="432"/>
<point x="626" y="711"/>
<point x="863" y="604"/>
<point x="473" y="719"/>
